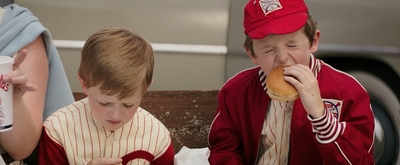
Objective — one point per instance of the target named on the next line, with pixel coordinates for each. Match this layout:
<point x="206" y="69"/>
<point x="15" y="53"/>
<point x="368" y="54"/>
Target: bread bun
<point x="278" y="88"/>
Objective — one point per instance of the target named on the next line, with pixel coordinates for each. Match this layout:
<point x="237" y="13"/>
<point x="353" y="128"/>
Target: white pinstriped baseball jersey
<point x="75" y="131"/>
<point x="275" y="134"/>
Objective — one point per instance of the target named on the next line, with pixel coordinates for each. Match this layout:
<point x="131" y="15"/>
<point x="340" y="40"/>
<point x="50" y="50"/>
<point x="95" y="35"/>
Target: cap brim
<point x="282" y="25"/>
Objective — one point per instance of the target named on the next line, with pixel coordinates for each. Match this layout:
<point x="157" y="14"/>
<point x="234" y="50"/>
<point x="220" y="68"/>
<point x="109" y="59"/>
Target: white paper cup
<point x="6" y="95"/>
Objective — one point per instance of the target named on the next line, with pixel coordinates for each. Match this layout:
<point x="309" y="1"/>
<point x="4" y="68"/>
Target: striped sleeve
<point x="327" y="128"/>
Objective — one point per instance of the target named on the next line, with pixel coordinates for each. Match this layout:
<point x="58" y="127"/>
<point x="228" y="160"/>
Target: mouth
<point x="113" y="122"/>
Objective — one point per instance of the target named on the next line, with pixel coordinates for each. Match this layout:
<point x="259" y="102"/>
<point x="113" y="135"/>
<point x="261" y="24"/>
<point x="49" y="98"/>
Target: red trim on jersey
<point x="137" y="154"/>
<point x="167" y="156"/>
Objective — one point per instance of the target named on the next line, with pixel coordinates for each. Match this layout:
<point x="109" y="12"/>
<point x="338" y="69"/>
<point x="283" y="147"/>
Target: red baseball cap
<point x="264" y="17"/>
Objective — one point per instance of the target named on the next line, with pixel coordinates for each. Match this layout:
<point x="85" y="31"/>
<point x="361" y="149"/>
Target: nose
<point x="282" y="56"/>
<point x="115" y="113"/>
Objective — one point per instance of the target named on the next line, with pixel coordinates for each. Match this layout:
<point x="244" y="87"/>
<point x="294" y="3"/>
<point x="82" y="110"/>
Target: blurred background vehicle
<point x="198" y="45"/>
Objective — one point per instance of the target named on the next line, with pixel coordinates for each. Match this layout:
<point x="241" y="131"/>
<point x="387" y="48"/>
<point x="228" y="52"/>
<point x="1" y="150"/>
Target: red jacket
<point x="234" y="136"/>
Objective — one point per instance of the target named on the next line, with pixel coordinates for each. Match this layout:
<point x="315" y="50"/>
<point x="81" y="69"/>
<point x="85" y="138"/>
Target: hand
<point x="106" y="161"/>
<point x="303" y="79"/>
<point x="17" y="76"/>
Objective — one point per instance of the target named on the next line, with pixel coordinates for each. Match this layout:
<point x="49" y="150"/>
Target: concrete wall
<point x="194" y="23"/>
<point x="358" y="26"/>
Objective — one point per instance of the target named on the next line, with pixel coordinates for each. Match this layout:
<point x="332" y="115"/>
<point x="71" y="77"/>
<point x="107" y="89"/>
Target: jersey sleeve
<point x="50" y="151"/>
<point x="167" y="158"/>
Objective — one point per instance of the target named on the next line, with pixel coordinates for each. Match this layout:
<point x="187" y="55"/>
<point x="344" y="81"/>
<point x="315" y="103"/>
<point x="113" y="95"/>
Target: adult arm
<point x="28" y="109"/>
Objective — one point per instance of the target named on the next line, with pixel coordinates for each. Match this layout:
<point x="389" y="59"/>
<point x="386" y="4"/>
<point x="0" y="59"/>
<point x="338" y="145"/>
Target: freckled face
<point x="276" y="50"/>
<point x="111" y="112"/>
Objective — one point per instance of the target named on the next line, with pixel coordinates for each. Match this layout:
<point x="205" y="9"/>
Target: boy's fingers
<point x="107" y="161"/>
<point x="113" y="161"/>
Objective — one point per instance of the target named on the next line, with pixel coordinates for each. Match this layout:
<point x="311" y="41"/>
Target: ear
<point x="252" y="56"/>
<point x="314" y="46"/>
<point x="83" y="84"/>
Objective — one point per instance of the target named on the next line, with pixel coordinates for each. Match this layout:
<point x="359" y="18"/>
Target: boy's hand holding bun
<point x="303" y="79"/>
<point x="278" y="88"/>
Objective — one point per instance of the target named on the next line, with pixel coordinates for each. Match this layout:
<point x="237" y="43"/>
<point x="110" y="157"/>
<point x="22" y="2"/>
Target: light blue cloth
<point x="19" y="27"/>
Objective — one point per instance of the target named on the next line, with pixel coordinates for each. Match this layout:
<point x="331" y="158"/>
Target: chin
<point x="112" y="128"/>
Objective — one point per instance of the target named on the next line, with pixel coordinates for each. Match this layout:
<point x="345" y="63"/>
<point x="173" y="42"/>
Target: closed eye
<point x="104" y="104"/>
<point x="128" y="106"/>
<point x="270" y="50"/>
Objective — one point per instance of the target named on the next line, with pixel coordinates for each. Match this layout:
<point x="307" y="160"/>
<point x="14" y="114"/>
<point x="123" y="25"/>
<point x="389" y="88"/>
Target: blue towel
<point x="19" y="27"/>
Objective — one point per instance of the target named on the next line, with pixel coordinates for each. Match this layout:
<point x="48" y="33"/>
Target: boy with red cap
<point x="331" y="123"/>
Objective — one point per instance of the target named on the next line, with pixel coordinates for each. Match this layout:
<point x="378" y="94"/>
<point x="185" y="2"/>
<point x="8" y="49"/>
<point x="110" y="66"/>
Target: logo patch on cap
<point x="334" y="106"/>
<point x="268" y="6"/>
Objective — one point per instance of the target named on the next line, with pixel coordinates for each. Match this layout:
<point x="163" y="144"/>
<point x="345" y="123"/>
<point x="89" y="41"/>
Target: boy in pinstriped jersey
<point x="109" y="127"/>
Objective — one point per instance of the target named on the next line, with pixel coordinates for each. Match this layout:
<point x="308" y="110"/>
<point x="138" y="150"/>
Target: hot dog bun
<point x="278" y="88"/>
